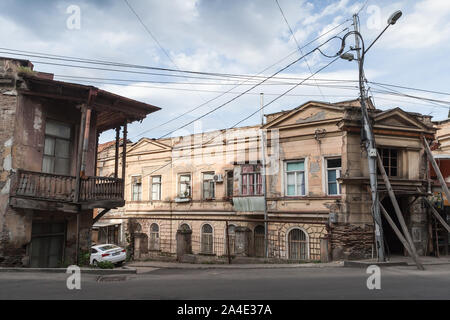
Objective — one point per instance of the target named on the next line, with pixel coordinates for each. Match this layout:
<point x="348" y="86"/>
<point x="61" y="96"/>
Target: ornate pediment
<point x="310" y="112"/>
<point x="399" y="119"/>
<point x="148" y="145"/>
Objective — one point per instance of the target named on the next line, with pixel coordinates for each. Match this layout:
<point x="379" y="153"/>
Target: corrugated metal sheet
<point x="248" y="204"/>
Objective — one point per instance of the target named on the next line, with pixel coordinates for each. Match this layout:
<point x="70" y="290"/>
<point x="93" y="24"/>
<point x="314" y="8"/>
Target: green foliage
<point x="105" y="265"/>
<point x="27" y="70"/>
<point x="84" y="259"/>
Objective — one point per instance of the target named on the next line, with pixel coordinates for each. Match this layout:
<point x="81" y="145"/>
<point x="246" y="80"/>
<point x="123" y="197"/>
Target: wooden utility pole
<point x="399" y="213"/>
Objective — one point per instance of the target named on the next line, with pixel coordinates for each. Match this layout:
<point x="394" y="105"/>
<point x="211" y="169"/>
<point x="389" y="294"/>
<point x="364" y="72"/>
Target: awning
<point x="102" y="224"/>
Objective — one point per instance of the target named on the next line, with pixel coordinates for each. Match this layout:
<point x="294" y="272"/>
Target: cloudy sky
<point x="242" y="37"/>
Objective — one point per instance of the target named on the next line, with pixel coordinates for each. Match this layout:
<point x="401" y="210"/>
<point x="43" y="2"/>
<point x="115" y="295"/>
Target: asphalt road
<point x="295" y="283"/>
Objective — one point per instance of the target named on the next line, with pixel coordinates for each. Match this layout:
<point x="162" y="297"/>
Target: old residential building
<point x="318" y="202"/>
<point x="440" y="237"/>
<point x="48" y="145"/>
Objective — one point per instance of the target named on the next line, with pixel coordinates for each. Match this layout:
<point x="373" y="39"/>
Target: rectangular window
<point x="334" y="168"/>
<point x="184" y="186"/>
<point x="295" y="178"/>
<point x="251" y="180"/>
<point x="136" y="188"/>
<point x="389" y="157"/>
<point x="156" y="188"/>
<point x="208" y="186"/>
<point x="229" y="184"/>
<point x="57" y="148"/>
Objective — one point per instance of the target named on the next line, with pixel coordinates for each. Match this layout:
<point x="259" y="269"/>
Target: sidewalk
<point x="123" y="270"/>
<point x="399" y="261"/>
<point x="175" y="265"/>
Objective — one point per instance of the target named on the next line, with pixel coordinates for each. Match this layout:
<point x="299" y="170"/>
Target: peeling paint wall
<point x="22" y="130"/>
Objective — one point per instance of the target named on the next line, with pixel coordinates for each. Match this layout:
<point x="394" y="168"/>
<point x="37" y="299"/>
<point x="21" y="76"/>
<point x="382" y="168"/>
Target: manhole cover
<point x="111" y="278"/>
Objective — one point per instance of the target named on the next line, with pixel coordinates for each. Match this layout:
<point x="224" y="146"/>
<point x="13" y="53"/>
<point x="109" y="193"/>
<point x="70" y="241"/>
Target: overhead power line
<point x="249" y="116"/>
<point x="296" y="42"/>
<point x="251" y="88"/>
<point x="149" y="32"/>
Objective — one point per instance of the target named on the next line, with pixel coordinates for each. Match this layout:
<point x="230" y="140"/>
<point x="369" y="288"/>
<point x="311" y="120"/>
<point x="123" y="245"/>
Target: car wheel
<point x="119" y="264"/>
<point x="95" y="263"/>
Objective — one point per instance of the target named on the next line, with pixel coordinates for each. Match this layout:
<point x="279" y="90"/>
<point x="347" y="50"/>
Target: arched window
<point x="207" y="239"/>
<point x="154" y="237"/>
<point x="258" y="240"/>
<point x="184" y="227"/>
<point x="297" y="245"/>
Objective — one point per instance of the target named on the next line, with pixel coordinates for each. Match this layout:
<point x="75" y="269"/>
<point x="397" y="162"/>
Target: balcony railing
<point x="55" y="187"/>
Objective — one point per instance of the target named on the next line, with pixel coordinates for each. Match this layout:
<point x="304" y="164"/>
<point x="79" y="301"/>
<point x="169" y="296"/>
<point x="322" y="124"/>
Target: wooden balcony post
<point x="124" y="150"/>
<point x="86" y="141"/>
<point x="96" y="154"/>
<point x="116" y="157"/>
<point x="80" y="153"/>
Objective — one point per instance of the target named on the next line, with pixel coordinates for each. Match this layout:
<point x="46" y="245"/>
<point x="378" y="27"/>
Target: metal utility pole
<point x="370" y="147"/>
<point x="263" y="173"/>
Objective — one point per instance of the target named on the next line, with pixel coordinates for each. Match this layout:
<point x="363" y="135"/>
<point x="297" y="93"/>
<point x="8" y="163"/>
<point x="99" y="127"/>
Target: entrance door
<point x="258" y="241"/>
<point x="393" y="245"/>
<point x="47" y="245"/>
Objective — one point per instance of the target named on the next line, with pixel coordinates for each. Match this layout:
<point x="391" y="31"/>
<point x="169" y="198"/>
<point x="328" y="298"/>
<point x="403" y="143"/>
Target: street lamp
<point x="391" y="21"/>
<point x="368" y="136"/>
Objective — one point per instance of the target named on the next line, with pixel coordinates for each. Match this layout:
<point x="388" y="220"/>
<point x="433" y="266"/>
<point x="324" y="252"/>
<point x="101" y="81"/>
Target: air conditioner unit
<point x="218" y="178"/>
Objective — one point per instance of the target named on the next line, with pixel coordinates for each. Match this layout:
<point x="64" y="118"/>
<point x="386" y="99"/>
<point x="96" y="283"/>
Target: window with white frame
<point x="156" y="188"/>
<point x="295" y="178"/>
<point x="251" y="180"/>
<point x="209" y="185"/>
<point x="334" y="168"/>
<point x="136" y="188"/>
<point x="184" y="185"/>
<point x="57" y="148"/>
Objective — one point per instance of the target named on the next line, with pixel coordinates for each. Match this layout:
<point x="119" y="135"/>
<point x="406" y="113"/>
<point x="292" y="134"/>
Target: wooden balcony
<point x="45" y="191"/>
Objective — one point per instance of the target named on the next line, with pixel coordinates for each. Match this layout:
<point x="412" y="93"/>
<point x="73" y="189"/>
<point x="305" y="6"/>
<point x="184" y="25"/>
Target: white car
<point x="107" y="252"/>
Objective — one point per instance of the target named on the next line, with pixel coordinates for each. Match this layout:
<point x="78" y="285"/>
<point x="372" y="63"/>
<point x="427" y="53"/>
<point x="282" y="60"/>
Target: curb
<point x="365" y="264"/>
<point x="64" y="270"/>
<point x="237" y="266"/>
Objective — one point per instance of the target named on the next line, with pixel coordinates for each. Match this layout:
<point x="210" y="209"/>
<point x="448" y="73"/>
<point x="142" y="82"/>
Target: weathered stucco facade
<point x="317" y="184"/>
<point x="42" y="220"/>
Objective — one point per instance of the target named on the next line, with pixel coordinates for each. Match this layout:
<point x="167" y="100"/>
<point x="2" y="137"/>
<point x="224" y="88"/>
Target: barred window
<point x="297" y="245"/>
<point x="207" y="239"/>
<point x="154" y="237"/>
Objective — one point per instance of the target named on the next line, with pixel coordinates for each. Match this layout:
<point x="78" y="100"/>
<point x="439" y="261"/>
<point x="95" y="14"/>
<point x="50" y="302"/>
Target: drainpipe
<point x="263" y="160"/>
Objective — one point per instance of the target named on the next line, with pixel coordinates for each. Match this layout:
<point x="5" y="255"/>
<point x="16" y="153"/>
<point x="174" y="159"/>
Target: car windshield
<point x="108" y="247"/>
